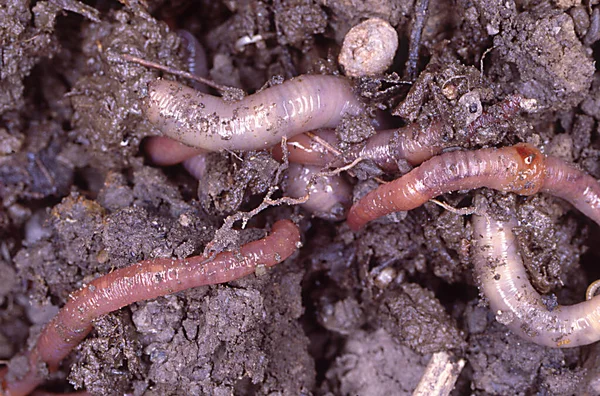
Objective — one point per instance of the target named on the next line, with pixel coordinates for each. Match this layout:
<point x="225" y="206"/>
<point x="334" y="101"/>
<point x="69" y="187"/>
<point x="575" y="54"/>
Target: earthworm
<point x="256" y="122"/>
<point x="142" y="281"/>
<point x="164" y="151"/>
<point x="196" y="166"/>
<point x="412" y="143"/>
<point x="195" y="58"/>
<point x="517" y="169"/>
<point x="565" y="181"/>
<point x="521" y="169"/>
<point x="503" y="279"/>
<point x="501" y="111"/>
<point x="330" y="196"/>
<point x="308" y="149"/>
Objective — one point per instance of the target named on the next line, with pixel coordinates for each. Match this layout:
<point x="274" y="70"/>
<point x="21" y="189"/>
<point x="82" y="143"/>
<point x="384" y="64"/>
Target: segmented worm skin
<point x="412" y="143"/>
<point x="504" y="282"/>
<point x="501" y="111"/>
<point x="142" y="281"/>
<point x="565" y="181"/>
<point x="330" y="196"/>
<point x="195" y="59"/>
<point x="306" y="150"/>
<point x="518" y="169"/>
<point x="258" y="121"/>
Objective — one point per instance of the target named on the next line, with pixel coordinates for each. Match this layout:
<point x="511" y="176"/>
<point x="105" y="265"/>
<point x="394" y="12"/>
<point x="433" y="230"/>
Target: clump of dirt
<point x="79" y="199"/>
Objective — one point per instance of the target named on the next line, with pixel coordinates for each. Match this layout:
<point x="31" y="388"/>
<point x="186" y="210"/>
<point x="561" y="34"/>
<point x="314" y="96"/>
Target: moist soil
<point x="352" y="312"/>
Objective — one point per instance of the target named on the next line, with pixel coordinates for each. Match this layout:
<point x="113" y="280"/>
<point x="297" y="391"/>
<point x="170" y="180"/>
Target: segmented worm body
<point x="501" y="111"/>
<point x="195" y="58"/>
<point x="256" y="122"/>
<point x="142" y="281"/>
<point x="521" y="169"/>
<point x="565" y="181"/>
<point x="330" y="196"/>
<point x="412" y="143"/>
<point x="517" y="169"/>
<point x="503" y="280"/>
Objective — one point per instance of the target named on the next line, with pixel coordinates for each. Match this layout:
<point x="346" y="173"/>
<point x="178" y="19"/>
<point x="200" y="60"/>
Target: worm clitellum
<point x="142" y="281"/>
<point x="503" y="280"/>
<point x="521" y="169"/>
<point x="256" y="122"/>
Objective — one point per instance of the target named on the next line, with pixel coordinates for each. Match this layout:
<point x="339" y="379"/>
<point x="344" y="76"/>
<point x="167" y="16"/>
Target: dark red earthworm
<point x="518" y="169"/>
<point x="142" y="281"/>
<point x="521" y="169"/>
<point x="256" y="122"/>
<point x="504" y="282"/>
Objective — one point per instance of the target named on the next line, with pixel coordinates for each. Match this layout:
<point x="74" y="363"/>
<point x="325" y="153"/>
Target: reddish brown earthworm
<point x="330" y="195"/>
<point x="499" y="269"/>
<point x="142" y="281"/>
<point x="412" y="144"/>
<point x="565" y="181"/>
<point x="500" y="112"/>
<point x="521" y="169"/>
<point x="517" y="169"/>
<point x="258" y="121"/>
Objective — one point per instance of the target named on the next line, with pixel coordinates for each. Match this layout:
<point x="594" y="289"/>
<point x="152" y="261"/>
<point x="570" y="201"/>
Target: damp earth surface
<point x="340" y="317"/>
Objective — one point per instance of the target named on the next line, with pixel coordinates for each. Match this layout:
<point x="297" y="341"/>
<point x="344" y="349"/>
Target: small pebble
<point x="369" y="48"/>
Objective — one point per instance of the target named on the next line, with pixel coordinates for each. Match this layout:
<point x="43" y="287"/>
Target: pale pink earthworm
<point x="142" y="281"/>
<point x="521" y="169"/>
<point x="499" y="269"/>
<point x="197" y="166"/>
<point x="412" y="143"/>
<point x="258" y="121"/>
<point x="195" y="58"/>
<point x="330" y="196"/>
<point x="164" y="151"/>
